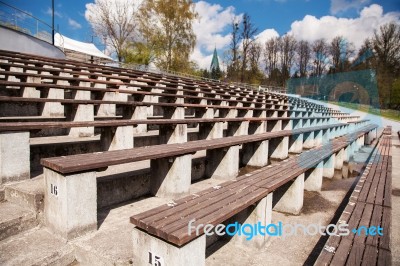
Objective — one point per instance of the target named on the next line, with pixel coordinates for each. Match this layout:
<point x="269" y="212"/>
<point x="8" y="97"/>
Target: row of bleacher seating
<point x="367" y="214"/>
<point x="236" y="127"/>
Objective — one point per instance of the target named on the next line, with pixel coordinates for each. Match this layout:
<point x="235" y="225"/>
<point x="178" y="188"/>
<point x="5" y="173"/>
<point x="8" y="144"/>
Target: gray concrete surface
<point x="396" y="200"/>
<point x="70" y="207"/>
<point x="35" y="247"/>
<point x="12" y="40"/>
<point x="14" y="156"/>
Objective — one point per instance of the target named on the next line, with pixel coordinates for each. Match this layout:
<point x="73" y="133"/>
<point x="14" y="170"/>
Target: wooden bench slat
<point x="376" y="220"/>
<point x="370" y="255"/>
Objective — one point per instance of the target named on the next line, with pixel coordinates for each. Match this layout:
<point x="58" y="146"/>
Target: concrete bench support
<point x="70" y="206"/>
<point x="222" y="163"/>
<point x="296" y="143"/>
<point x="117" y="138"/>
<point x="150" y="250"/>
<point x="279" y="148"/>
<point x="261" y="213"/>
<point x="318" y="137"/>
<point x="82" y="112"/>
<point x="370" y="136"/>
<point x="289" y="197"/>
<point x="313" y="178"/>
<point x="139" y="113"/>
<point x="107" y="109"/>
<point x="238" y="128"/>
<point x="255" y="153"/>
<point x="14" y="156"/>
<point x="329" y="166"/>
<point x="211" y="130"/>
<point x="173" y="133"/>
<point x="171" y="177"/>
<point x="308" y="140"/>
<point x="326" y="135"/>
<point x="339" y="160"/>
<point x="53" y="109"/>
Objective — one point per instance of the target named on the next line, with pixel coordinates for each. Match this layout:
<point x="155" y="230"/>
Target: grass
<point x="387" y="113"/>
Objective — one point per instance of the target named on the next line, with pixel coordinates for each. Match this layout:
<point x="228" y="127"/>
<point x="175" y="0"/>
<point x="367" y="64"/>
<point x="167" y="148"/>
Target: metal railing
<point x="22" y="21"/>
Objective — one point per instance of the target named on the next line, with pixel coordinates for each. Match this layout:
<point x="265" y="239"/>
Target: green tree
<point x="138" y="53"/>
<point x="166" y="25"/>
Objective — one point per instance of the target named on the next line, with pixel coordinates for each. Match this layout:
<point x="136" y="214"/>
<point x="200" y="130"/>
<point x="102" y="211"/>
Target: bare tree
<point x="247" y="36"/>
<point x="386" y="43"/>
<point x="233" y="66"/>
<point x="320" y="56"/>
<point x="340" y="50"/>
<point x="304" y="56"/>
<point x="113" y="21"/>
<point x="271" y="55"/>
<point x="288" y="46"/>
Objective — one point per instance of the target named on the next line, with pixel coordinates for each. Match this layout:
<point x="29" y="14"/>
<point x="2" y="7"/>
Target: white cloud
<point x="353" y="29"/>
<point x="344" y="5"/>
<point x="265" y="35"/>
<point x="74" y="24"/>
<point x="210" y="29"/>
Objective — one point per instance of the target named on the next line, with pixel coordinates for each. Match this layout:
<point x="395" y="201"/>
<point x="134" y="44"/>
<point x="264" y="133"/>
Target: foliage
<point x="167" y="27"/>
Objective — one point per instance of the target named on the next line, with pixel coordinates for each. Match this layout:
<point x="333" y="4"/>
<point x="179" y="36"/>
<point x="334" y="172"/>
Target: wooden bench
<point x="174" y="232"/>
<point x="170" y="166"/>
<point x="368" y="206"/>
<point x="124" y="75"/>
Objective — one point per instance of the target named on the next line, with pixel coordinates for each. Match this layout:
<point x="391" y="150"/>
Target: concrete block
<point x="255" y="154"/>
<point x="139" y="113"/>
<point x="223" y="163"/>
<point x="171" y="177"/>
<point x="339" y="159"/>
<point x="14" y="156"/>
<point x="70" y="207"/>
<point x="273" y="126"/>
<point x="106" y="110"/>
<point x="53" y="109"/>
<point x="261" y="214"/>
<point x="173" y="133"/>
<point x="296" y="143"/>
<point x="211" y="130"/>
<point x="308" y="140"/>
<point x="279" y="148"/>
<point x="318" y="137"/>
<point x="313" y="178"/>
<point x="238" y="128"/>
<point x="326" y="136"/>
<point x="150" y="250"/>
<point x="289" y="198"/>
<point x="329" y="166"/>
<point x="117" y="138"/>
<point x="82" y="112"/>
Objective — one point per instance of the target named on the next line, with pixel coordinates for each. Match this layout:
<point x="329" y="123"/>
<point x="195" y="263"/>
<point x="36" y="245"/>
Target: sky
<point x="305" y="19"/>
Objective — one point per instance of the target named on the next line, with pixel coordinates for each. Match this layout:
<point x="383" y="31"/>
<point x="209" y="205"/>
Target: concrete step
<point x="28" y="194"/>
<point x="36" y="247"/>
<point x="15" y="219"/>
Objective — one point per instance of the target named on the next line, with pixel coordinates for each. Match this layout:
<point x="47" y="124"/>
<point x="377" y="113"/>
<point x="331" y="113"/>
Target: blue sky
<point x="308" y="19"/>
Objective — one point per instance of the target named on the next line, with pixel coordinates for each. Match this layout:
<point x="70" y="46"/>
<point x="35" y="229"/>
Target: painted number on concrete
<point x="54" y="190"/>
<point x="155" y="260"/>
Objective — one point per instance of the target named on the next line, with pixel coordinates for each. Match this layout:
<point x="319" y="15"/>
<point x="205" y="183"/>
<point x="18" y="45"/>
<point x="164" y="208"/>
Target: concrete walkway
<point x="396" y="200"/>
